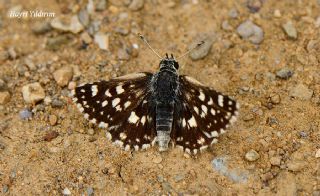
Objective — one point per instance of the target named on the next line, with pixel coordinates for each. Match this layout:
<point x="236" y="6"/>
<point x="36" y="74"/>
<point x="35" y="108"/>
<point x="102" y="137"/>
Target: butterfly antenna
<point x="146" y="42"/>
<point x="196" y="46"/>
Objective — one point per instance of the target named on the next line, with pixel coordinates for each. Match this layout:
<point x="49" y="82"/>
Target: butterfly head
<point x="169" y="63"/>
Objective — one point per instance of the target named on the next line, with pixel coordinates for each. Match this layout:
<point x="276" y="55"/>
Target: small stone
<point x="233" y="13"/>
<point x="53" y="120"/>
<point x="254" y="5"/>
<point x="275" y="160"/>
<point x="179" y="177"/>
<point x="277" y="13"/>
<point x="55" y="43"/>
<point x="63" y="75"/>
<point x="249" y="31"/>
<point x="203" y="50"/>
<point x="25" y="114"/>
<point x="12" y="53"/>
<point x="50" y="136"/>
<point x="317" y="22"/>
<point x="84" y="17"/>
<point x="47" y="100"/>
<point x="101" y="5"/>
<point x="271" y="121"/>
<point x="4" y="97"/>
<point x="252" y="155"/>
<point x="72" y="24"/>
<point x="275" y="98"/>
<point x="318" y="153"/>
<point x="57" y="103"/>
<point x="40" y="28"/>
<point x="4" y="55"/>
<point x="66" y="191"/>
<point x="290" y="30"/>
<point x="102" y="40"/>
<point x="284" y="73"/>
<point x="286" y="184"/>
<point x="91" y="131"/>
<point x="5" y="188"/>
<point x="72" y="85"/>
<point x="33" y="93"/>
<point x="123" y="54"/>
<point x="90" y="191"/>
<point x="3" y="85"/>
<point x="136" y="5"/>
<point x="301" y="91"/>
<point x="313" y="45"/>
<point x="157" y="159"/>
<point x="86" y="38"/>
<point x="295" y="166"/>
<point x="226" y="26"/>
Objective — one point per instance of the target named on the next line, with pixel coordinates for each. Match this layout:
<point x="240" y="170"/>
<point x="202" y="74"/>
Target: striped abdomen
<point x="164" y="118"/>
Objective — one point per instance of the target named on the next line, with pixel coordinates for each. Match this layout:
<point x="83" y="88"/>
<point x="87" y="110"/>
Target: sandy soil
<point x="282" y="126"/>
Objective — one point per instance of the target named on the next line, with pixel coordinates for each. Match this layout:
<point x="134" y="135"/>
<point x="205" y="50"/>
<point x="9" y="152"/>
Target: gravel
<point x="33" y="93"/>
<point x="290" y="30"/>
<point x="67" y="24"/>
<point x="136" y="5"/>
<point x="40" y="28"/>
<point x="276" y="160"/>
<point x="318" y="153"/>
<point x="252" y="155"/>
<point x="66" y="191"/>
<point x="4" y="97"/>
<point x="53" y="119"/>
<point x="250" y="31"/>
<point x="203" y="50"/>
<point x="57" y="103"/>
<point x="301" y="91"/>
<point x="84" y="17"/>
<point x="63" y="75"/>
<point x="25" y="114"/>
<point x="102" y="40"/>
<point x="90" y="191"/>
<point x="284" y="73"/>
<point x="55" y="43"/>
<point x="233" y="13"/>
<point x="220" y="164"/>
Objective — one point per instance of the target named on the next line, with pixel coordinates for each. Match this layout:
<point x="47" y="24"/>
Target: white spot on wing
<point x="204" y="109"/>
<point x="133" y="118"/>
<point x="143" y="119"/>
<point x="210" y="102"/>
<point x="123" y="136"/>
<point x="104" y="103"/>
<point x="103" y="125"/>
<point x="220" y="100"/>
<point x="108" y="93"/>
<point x="119" y="89"/>
<point x="214" y="134"/>
<point x="94" y="89"/>
<point x="127" y="104"/>
<point x="192" y="122"/>
<point x="202" y="97"/>
<point x="115" y="102"/>
<point x="196" y="109"/>
<point x="184" y="123"/>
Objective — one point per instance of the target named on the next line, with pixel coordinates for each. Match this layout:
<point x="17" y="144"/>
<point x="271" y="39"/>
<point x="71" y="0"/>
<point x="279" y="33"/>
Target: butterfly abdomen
<point x="164" y="119"/>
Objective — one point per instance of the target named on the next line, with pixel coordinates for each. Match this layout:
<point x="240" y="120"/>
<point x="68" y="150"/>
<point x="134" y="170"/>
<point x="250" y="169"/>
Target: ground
<point x="47" y="147"/>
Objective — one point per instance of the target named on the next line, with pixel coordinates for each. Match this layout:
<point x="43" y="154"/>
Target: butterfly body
<point x="144" y="108"/>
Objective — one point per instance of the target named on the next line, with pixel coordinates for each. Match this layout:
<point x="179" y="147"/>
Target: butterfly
<point x="142" y="109"/>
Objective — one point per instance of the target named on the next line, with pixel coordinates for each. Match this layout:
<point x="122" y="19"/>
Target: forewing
<point x="123" y="106"/>
<point x="201" y="115"/>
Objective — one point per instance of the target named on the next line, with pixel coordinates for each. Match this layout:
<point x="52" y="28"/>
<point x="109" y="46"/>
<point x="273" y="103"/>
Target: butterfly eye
<point x="176" y="65"/>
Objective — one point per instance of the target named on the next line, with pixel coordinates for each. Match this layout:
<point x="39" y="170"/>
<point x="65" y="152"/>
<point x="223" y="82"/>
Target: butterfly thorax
<point x="165" y="87"/>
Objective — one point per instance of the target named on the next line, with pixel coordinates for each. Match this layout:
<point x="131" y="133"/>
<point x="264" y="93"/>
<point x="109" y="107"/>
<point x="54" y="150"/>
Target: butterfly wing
<point x="201" y="115"/>
<point x="123" y="105"/>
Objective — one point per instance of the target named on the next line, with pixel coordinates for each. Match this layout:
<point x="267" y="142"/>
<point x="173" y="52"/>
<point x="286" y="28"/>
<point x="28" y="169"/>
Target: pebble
<point x="123" y="54"/>
<point x="249" y="31"/>
<point x="313" y="45"/>
<point x="47" y="100"/>
<point x="86" y="38"/>
<point x="136" y="5"/>
<point x="90" y="191"/>
<point x="3" y="85"/>
<point x="179" y="177"/>
<point x="226" y="26"/>
<point x="286" y="184"/>
<point x="4" y="55"/>
<point x="50" y="136"/>
<point x="72" y="85"/>
<point x="57" y="103"/>
<point x="63" y="75"/>
<point x="25" y="114"/>
<point x="301" y="91"/>
<point x="5" y="188"/>
<point x="91" y="131"/>
<point x="252" y="155"/>
<point x="72" y="24"/>
<point x="284" y="73"/>
<point x="4" y="97"/>
<point x="202" y="51"/>
<point x="66" y="191"/>
<point x="318" y="153"/>
<point x="40" y="28"/>
<point x="33" y="93"/>
<point x="84" y="17"/>
<point x="277" y="13"/>
<point x="271" y="121"/>
<point x="233" y="13"/>
<point x="54" y="43"/>
<point x="157" y="159"/>
<point x="53" y="119"/>
<point x="254" y="5"/>
<point x="276" y="160"/>
<point x="102" y="40"/>
<point x="295" y="166"/>
<point x="100" y="5"/>
<point x="12" y="53"/>
<point x="290" y="30"/>
<point x="275" y="98"/>
<point x="317" y="22"/>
